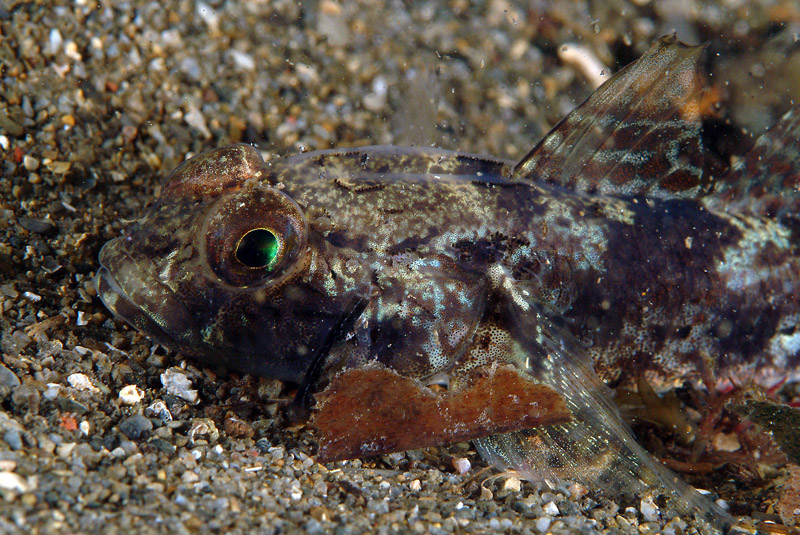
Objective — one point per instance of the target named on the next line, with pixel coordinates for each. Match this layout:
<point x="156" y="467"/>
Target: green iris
<point x="258" y="248"/>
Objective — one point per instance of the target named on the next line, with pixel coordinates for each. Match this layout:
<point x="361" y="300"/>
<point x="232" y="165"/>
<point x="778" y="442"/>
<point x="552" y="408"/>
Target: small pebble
<point x="585" y="60"/>
<point x="461" y="465"/>
<point x="263" y="445"/>
<point x="512" y="484"/>
<point x="178" y="384"/>
<point x="551" y="508"/>
<point x="80" y="381"/>
<point x="13" y="438"/>
<point x="163" y="445"/>
<point x="65" y="450"/>
<point x="12" y="481"/>
<point x="136" y="427"/>
<point x="650" y="511"/>
<point x="131" y="395"/>
<point x="203" y="428"/>
<point x="30" y="163"/>
<point x="543" y="523"/>
<point x="38" y="226"/>
<point x="158" y="409"/>
<point x="51" y="391"/>
<point x="8" y="378"/>
<point x="56" y="40"/>
<point x="726" y="442"/>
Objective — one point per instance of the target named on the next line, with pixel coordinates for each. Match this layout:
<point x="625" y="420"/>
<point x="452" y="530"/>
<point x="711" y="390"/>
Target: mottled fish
<point x="367" y="275"/>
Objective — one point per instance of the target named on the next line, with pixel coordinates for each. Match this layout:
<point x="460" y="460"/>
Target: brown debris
<point x="374" y="411"/>
<point x="236" y="427"/>
<point x="788" y="507"/>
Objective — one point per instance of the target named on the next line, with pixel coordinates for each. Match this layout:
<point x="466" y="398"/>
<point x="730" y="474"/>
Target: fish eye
<point x="255" y="237"/>
<point x="258" y="248"/>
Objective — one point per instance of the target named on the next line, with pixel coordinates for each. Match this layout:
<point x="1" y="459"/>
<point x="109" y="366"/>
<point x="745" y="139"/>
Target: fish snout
<point x="134" y="294"/>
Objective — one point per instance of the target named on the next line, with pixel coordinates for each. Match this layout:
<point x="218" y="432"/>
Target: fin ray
<point x="766" y="182"/>
<point x="596" y="446"/>
<point x="639" y="133"/>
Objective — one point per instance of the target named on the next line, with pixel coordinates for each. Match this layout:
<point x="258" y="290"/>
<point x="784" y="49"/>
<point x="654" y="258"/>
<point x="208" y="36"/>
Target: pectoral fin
<point x="595" y="447"/>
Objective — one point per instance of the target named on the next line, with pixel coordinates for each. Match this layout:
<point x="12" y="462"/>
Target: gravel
<point x="101" y="432"/>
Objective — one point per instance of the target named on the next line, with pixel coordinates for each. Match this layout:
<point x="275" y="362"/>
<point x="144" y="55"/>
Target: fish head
<point x="218" y="269"/>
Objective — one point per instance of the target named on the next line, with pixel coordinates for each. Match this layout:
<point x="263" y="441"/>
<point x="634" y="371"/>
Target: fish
<point x="419" y="296"/>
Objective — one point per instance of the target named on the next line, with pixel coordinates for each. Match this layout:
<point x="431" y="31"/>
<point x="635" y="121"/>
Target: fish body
<point x="604" y="256"/>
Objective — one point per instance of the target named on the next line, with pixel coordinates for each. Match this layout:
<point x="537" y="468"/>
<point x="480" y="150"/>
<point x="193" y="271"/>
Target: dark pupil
<point x="258" y="248"/>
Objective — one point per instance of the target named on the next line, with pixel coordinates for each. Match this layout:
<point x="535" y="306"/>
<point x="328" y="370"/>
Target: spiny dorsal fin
<point x="639" y="133"/>
<point x="766" y="182"/>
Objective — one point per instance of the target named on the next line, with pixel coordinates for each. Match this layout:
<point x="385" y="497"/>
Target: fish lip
<point x="134" y="295"/>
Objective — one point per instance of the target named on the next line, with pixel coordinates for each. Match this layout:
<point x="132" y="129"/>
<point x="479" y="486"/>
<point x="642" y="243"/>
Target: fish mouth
<point x="135" y="295"/>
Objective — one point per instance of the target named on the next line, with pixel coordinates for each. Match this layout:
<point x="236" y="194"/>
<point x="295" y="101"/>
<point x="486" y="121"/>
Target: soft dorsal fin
<point x="637" y="134"/>
<point x="766" y="182"/>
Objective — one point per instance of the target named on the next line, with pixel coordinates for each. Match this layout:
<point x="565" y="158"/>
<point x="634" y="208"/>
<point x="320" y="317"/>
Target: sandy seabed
<point x="100" y="100"/>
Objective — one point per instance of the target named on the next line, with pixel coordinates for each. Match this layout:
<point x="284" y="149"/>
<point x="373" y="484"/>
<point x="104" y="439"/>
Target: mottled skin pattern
<point x="605" y="251"/>
<point x="655" y="285"/>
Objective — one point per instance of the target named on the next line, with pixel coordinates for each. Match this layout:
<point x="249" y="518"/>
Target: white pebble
<point x="415" y="485"/>
<point x="208" y="14"/>
<point x="307" y="74"/>
<point x="379" y="86"/>
<point x="585" y="61"/>
<point x="65" y="450"/>
<point x="79" y="381"/>
<point x="194" y="118"/>
<point x="178" y="384"/>
<point x="71" y="51"/>
<point x="171" y="38"/>
<point x="374" y="102"/>
<point x="51" y="392"/>
<point x="551" y="509"/>
<point x="4" y="142"/>
<point x="131" y="395"/>
<point x="649" y="509"/>
<point x="513" y="484"/>
<point x="242" y="60"/>
<point x="543" y="523"/>
<point x="84" y="427"/>
<point x="462" y="465"/>
<point x="56" y="40"/>
<point x="30" y="163"/>
<point x="12" y="481"/>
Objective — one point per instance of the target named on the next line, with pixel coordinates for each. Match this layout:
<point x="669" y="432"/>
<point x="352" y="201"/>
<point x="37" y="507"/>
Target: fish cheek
<point x="264" y="336"/>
